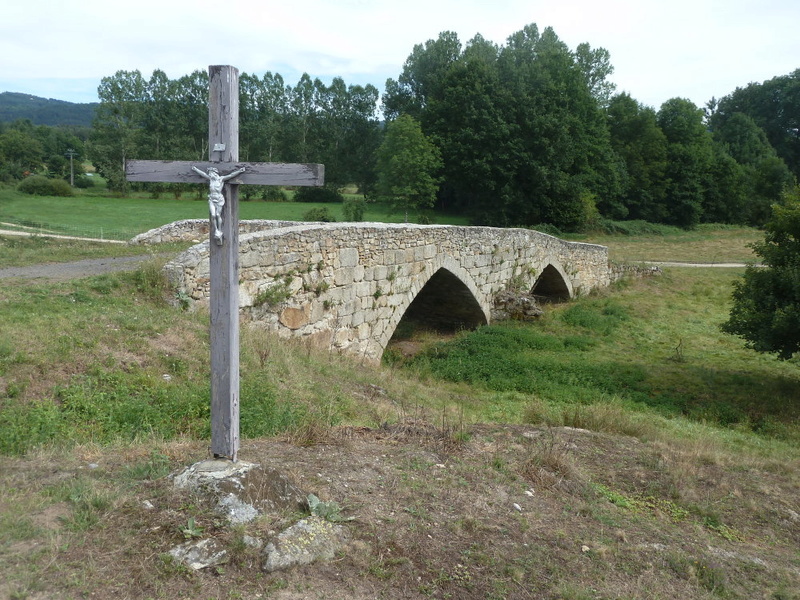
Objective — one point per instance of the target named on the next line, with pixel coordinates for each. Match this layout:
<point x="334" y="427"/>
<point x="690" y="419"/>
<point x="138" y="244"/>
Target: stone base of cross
<point x="224" y="173"/>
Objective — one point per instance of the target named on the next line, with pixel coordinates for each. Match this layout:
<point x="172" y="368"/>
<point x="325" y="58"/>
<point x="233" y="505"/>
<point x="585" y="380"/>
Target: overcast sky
<point x="660" y="49"/>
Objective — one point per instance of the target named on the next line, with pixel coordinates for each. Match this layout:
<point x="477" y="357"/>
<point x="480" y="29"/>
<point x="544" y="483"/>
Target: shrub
<point x="273" y="194"/>
<point x="83" y="182"/>
<point x="354" y="208"/>
<point x="318" y="194"/>
<point x="319" y="214"/>
<point x="39" y="185"/>
<point x="636" y="227"/>
<point x="549" y="229"/>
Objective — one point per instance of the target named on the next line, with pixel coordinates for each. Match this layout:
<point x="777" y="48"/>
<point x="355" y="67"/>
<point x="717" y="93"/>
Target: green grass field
<point x="93" y="214"/>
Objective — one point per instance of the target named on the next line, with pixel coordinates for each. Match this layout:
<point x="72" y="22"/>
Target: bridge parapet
<point x="347" y="286"/>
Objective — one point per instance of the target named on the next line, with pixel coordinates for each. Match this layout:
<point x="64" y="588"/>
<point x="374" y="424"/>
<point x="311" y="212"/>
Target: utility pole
<point x="71" y="153"/>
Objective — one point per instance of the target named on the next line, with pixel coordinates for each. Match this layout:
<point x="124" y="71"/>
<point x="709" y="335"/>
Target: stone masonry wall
<point x="196" y="230"/>
<point x="347" y="286"/>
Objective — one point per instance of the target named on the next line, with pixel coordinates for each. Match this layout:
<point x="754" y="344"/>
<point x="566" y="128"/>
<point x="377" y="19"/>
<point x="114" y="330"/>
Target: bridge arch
<point x="552" y="284"/>
<point x="444" y="296"/>
<point x="347" y="286"/>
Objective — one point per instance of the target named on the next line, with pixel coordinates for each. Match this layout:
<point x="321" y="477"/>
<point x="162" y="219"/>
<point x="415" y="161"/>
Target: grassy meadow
<point x="650" y="455"/>
<point x="94" y="213"/>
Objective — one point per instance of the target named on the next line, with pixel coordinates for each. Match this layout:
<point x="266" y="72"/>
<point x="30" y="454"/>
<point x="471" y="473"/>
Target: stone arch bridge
<point x="347" y="286"/>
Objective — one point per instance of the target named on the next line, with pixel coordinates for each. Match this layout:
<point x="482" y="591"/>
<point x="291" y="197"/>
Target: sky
<point x="660" y="49"/>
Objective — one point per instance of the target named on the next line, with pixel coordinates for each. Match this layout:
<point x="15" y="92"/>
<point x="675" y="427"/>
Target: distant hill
<point x="44" y="111"/>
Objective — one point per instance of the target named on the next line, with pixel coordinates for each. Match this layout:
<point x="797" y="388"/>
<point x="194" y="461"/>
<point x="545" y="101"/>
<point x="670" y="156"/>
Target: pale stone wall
<point x="196" y="230"/>
<point x="347" y="286"/>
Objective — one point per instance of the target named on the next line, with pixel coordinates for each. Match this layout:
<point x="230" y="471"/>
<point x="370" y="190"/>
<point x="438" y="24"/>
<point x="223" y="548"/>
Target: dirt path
<point x="75" y="270"/>
<point x="38" y="233"/>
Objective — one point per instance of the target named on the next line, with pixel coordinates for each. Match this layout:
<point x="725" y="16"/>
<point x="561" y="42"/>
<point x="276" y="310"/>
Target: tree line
<point x="531" y="132"/>
<point x="525" y="133"/>
<point x="28" y="149"/>
<point x="160" y="118"/>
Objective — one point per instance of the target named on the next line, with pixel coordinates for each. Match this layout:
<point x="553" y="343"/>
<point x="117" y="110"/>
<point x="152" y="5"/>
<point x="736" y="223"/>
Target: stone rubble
<point x="244" y="491"/>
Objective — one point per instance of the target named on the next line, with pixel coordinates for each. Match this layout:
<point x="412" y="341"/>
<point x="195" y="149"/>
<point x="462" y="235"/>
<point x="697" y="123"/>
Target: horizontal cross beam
<point x="269" y="173"/>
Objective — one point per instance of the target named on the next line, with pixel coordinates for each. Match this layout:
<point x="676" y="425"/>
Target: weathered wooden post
<point x="223" y="149"/>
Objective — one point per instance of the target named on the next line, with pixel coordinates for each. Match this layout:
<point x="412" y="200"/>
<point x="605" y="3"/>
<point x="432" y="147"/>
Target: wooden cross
<point x="223" y="148"/>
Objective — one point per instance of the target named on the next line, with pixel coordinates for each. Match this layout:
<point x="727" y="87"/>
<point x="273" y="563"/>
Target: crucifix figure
<point x="216" y="199"/>
<point x="223" y="144"/>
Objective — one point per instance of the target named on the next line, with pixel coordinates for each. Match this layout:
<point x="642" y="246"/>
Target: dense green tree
<point x="408" y="167"/>
<point x="766" y="301"/>
<point x="774" y="105"/>
<point x="422" y="76"/>
<point x="567" y="155"/>
<point x="263" y="111"/>
<point x="520" y="128"/>
<point x="744" y="139"/>
<point x="20" y="153"/>
<point x="765" y="175"/>
<point x="480" y="149"/>
<point x="118" y="125"/>
<point x="302" y="111"/>
<point x="596" y="68"/>
<point x="362" y="137"/>
<point x="26" y="149"/>
<point x="346" y="134"/>
<point x="161" y="118"/>
<point x="725" y="196"/>
<point x="641" y="145"/>
<point x="689" y="154"/>
<point x="191" y="97"/>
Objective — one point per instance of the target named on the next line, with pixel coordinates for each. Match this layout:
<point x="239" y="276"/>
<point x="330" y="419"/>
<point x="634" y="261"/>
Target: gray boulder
<point x="305" y="542"/>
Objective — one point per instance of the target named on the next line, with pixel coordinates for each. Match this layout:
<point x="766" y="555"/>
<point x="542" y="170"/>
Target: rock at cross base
<point x="303" y="543"/>
<point x="242" y="491"/>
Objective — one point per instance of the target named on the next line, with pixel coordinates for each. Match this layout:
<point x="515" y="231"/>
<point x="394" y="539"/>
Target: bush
<point x="319" y="214"/>
<point x="636" y="227"/>
<point x="353" y="209"/>
<point x="318" y="194"/>
<point x="39" y="185"/>
<point x="268" y="193"/>
<point x="83" y="182"/>
<point x="271" y="193"/>
<point x="549" y="229"/>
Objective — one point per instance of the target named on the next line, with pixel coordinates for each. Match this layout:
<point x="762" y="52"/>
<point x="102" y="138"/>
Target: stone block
<point x="348" y="257"/>
<point x="344" y="275"/>
<point x="295" y="318"/>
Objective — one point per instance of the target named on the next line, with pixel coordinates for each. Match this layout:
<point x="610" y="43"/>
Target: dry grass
<point x="510" y="512"/>
<point x="703" y="245"/>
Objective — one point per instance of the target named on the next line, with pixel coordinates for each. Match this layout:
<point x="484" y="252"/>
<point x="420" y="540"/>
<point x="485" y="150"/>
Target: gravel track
<point x="75" y="270"/>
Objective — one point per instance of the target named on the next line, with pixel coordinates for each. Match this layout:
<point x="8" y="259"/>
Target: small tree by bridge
<point x="408" y="167"/>
<point x="766" y="301"/>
